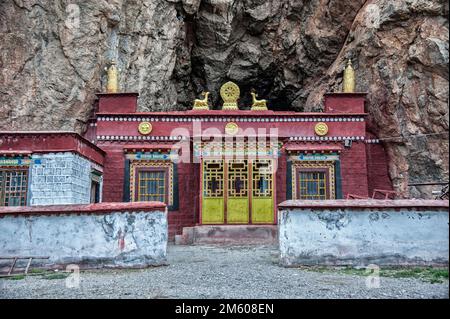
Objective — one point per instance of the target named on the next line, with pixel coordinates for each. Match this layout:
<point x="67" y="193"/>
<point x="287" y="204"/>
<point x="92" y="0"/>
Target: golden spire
<point x="112" y="85"/>
<point x="349" y="78"/>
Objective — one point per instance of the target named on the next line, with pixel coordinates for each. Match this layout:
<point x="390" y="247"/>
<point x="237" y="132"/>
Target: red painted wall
<point x="188" y="187"/>
<point x="113" y="172"/>
<point x="280" y="178"/>
<point x="354" y="170"/>
<point x="377" y="168"/>
<point x="344" y="103"/>
<point x="189" y="204"/>
<point x="117" y="102"/>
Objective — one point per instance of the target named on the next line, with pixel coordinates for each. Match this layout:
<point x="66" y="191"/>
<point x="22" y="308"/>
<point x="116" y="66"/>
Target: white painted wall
<point x="59" y="178"/>
<point x="128" y="239"/>
<point x="358" y="236"/>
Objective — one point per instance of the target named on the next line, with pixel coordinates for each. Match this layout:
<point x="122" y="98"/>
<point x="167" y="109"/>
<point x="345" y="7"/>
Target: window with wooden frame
<point x="314" y="180"/>
<point x="96" y="178"/>
<point x="151" y="185"/>
<point x="13" y="187"/>
<point x="313" y="184"/>
<point x="151" y="181"/>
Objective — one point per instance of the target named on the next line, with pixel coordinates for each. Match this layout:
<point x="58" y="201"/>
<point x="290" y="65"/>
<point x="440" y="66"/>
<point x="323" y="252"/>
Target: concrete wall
<point x="362" y="232"/>
<point x="59" y="178"/>
<point x="96" y="235"/>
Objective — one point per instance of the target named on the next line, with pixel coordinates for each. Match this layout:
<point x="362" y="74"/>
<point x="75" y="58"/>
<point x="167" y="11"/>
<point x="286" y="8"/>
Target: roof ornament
<point x="112" y="85"/>
<point x="230" y="94"/>
<point x="349" y="78"/>
<point x="201" y="104"/>
<point x="258" y="105"/>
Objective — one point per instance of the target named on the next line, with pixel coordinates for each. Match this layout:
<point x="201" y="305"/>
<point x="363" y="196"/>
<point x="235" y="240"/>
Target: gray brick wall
<point x="59" y="178"/>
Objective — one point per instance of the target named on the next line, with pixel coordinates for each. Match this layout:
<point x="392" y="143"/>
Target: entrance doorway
<point x="239" y="191"/>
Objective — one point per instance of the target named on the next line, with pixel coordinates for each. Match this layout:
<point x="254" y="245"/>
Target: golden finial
<point x="258" y="105"/>
<point x="349" y="78"/>
<point x="112" y="85"/>
<point x="230" y="95"/>
<point x="201" y="104"/>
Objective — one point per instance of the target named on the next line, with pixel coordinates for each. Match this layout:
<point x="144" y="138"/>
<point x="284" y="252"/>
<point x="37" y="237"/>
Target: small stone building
<point x="49" y="168"/>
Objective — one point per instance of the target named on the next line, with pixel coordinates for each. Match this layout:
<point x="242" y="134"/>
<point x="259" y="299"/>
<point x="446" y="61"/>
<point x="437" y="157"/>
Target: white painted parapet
<point x="95" y="235"/>
<point x="363" y="232"/>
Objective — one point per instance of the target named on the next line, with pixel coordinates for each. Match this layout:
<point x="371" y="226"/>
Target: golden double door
<point x="237" y="191"/>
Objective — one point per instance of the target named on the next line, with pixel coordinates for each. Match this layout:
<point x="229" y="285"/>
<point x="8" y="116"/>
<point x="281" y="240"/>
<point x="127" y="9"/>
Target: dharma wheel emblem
<point x="321" y="129"/>
<point x="145" y="128"/>
<point x="231" y="128"/>
<point x="230" y="94"/>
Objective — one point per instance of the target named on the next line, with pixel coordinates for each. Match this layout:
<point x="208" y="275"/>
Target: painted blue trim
<point x="30" y="176"/>
<point x="126" y="183"/>
<point x="289" y="180"/>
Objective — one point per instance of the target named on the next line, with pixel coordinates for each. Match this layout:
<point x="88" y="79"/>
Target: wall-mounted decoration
<point x="231" y="128"/>
<point x="321" y="129"/>
<point x="145" y="128"/>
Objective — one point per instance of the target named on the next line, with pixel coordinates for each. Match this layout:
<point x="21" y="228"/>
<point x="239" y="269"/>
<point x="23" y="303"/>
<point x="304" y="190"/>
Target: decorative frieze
<point x="271" y="119"/>
<point x="326" y="138"/>
<point x="139" y="138"/>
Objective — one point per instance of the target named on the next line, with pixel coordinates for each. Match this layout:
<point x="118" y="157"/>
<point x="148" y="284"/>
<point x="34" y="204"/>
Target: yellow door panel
<point x="262" y="192"/>
<point x="237" y="192"/>
<point x="237" y="211"/>
<point x="213" y="211"/>
<point x="262" y="210"/>
<point x="213" y="203"/>
<point x="243" y="184"/>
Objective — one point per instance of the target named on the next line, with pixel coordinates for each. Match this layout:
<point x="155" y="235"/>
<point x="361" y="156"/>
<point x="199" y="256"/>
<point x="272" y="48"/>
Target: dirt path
<point x="220" y="272"/>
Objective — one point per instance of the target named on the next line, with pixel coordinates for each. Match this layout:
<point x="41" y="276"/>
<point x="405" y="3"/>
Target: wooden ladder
<point x="14" y="262"/>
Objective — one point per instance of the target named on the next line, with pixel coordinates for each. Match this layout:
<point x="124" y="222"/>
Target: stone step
<point x="228" y="234"/>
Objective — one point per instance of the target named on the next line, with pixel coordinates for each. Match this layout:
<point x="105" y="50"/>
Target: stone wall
<point x="363" y="232"/>
<point x="60" y="178"/>
<point x="95" y="235"/>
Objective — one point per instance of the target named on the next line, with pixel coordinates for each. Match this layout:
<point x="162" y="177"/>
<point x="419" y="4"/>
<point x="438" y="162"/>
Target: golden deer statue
<point x="258" y="105"/>
<point x="202" y="104"/>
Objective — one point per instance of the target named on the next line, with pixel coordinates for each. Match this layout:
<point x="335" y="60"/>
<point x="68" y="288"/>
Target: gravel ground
<point x="220" y="272"/>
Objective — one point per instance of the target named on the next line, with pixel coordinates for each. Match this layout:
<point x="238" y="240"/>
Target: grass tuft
<point x="427" y="274"/>
<point x="60" y="275"/>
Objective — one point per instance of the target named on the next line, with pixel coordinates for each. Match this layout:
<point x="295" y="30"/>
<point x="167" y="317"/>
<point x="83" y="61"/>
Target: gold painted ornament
<point x="201" y="104"/>
<point x="145" y="128"/>
<point x="231" y="128"/>
<point x="349" y="78"/>
<point x="230" y="94"/>
<point x="258" y="105"/>
<point x="112" y="84"/>
<point x="321" y="129"/>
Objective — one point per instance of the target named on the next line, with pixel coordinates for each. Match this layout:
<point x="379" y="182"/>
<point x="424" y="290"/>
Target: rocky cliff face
<point x="53" y="55"/>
